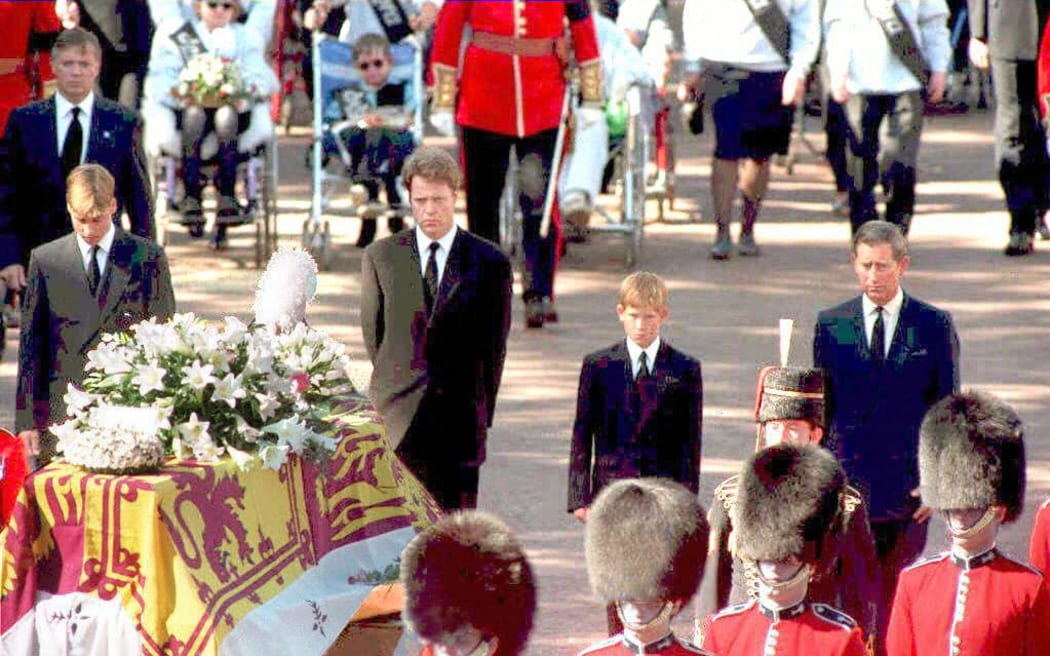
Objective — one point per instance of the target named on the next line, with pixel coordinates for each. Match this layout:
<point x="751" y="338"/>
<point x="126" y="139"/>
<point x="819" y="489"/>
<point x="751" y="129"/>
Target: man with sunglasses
<point x="971" y="599"/>
<point x="511" y="88"/>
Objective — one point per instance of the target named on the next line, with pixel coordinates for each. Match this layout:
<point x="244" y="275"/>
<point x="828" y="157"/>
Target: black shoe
<point x="550" y="315"/>
<point x="192" y="213"/>
<point x="368" y="233"/>
<point x="534" y="314"/>
<point x="1021" y="243"/>
<point x="228" y="212"/>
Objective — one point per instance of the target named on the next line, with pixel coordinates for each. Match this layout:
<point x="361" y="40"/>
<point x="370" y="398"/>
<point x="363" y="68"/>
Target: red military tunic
<point x="516" y="95"/>
<point x="986" y="606"/>
<point x="807" y="629"/>
<point x="18" y="20"/>
<point x="1039" y="545"/>
<point x="621" y="645"/>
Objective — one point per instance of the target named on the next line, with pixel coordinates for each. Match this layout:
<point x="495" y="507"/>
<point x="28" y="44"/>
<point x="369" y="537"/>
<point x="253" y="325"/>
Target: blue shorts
<point x="750" y="122"/>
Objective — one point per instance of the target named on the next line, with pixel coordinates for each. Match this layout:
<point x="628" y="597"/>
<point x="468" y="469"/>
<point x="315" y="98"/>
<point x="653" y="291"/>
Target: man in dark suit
<point x="640" y="403"/>
<point x="45" y="140"/>
<point x="97" y="279"/>
<point x="435" y="314"/>
<point x="1005" y="37"/>
<point x="887" y="358"/>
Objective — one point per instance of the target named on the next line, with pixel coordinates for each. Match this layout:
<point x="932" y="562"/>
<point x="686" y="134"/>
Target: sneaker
<point x="1020" y="244"/>
<point x="228" y="211"/>
<point x="746" y="246"/>
<point x="723" y="246"/>
<point x="576" y="208"/>
<point x="1041" y="227"/>
<point x="534" y="314"/>
<point x="12" y="316"/>
<point x="358" y="194"/>
<point x="550" y="315"/>
<point x="191" y="210"/>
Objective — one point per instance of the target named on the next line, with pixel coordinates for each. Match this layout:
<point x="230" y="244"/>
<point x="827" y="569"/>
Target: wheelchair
<point x="337" y="111"/>
<point x="256" y="176"/>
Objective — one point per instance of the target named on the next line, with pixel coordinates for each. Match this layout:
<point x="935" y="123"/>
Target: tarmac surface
<point x="725" y="313"/>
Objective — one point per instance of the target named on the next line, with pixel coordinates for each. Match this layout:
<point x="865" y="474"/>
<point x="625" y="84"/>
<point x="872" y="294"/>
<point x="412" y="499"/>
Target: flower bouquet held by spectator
<point x="256" y="392"/>
<point x="211" y="81"/>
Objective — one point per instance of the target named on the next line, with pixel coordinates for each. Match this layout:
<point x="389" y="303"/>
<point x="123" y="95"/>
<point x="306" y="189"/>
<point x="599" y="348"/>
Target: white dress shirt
<point x="891" y="312"/>
<point x="105" y="245"/>
<point x="64" y="116"/>
<point x="635" y="352"/>
<point x="444" y="248"/>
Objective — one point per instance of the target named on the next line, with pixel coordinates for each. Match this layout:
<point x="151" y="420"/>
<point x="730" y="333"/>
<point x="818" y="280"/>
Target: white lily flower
<point x="198" y="375"/>
<point x="273" y="456"/>
<point x="76" y="399"/>
<point x="228" y="390"/>
<point x="245" y="461"/>
<point x="290" y="432"/>
<point x="205" y="450"/>
<point x="149" y="377"/>
<point x="268" y="405"/>
<point x="194" y="430"/>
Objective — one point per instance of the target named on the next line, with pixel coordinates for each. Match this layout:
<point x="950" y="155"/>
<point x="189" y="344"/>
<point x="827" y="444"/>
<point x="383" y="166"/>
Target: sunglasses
<point x="375" y="63"/>
<point x="220" y="5"/>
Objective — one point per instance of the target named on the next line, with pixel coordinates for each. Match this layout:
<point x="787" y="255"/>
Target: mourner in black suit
<point x="636" y="419"/>
<point x="1005" y="37"/>
<point x="887" y="357"/>
<point x="41" y="146"/>
<point x="435" y="313"/>
<point x="97" y="279"/>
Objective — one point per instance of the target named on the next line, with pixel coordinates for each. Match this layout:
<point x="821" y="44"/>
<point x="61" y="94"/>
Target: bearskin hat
<point x="789" y="504"/>
<point x="645" y="539"/>
<point x="468" y="570"/>
<point x="971" y="454"/>
<point x="790" y="393"/>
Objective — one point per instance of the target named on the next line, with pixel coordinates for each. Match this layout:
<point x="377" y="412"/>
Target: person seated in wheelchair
<point x="372" y="116"/>
<point x="584" y="171"/>
<point x="206" y="96"/>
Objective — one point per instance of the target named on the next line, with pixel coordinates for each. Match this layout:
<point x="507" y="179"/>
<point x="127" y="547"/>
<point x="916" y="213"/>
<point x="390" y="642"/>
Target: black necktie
<point x="878" y="338"/>
<point x="643" y="366"/>
<point x="73" y="144"/>
<point x="431" y="276"/>
<point x="94" y="272"/>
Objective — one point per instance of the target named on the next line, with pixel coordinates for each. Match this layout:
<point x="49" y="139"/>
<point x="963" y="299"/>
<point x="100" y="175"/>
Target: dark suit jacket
<point x="450" y="364"/>
<point x="62" y="321"/>
<point x="874" y="414"/>
<point x="614" y="438"/>
<point x="1011" y="28"/>
<point x="33" y="191"/>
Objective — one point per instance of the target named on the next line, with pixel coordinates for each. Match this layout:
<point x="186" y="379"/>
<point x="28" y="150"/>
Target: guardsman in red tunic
<point x="788" y="522"/>
<point x="510" y="90"/>
<point x="790" y="408"/>
<point x="1039" y="545"/>
<point x="26" y="28"/>
<point x="645" y="545"/>
<point x="971" y="600"/>
<point x="469" y="588"/>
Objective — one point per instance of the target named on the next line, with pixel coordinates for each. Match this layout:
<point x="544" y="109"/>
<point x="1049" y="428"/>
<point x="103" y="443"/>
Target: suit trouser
<point x="897" y="544"/>
<point x="865" y="114"/>
<point x="486" y="156"/>
<point x="1020" y="143"/>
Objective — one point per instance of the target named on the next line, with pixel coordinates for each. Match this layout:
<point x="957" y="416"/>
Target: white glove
<point x="443" y="122"/>
<point x="587" y="115"/>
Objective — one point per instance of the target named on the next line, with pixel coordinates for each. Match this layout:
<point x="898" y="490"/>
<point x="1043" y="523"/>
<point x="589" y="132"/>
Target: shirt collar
<point x="105" y="244"/>
<point x="423" y="242"/>
<point x="63" y="106"/>
<point x="891" y="309"/>
<point x="651" y="648"/>
<point x="973" y="562"/>
<point x="777" y="614"/>
<point x="633" y="350"/>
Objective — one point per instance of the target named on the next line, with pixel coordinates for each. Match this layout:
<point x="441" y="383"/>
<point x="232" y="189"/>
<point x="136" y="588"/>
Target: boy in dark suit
<point x="640" y="403"/>
<point x="95" y="280"/>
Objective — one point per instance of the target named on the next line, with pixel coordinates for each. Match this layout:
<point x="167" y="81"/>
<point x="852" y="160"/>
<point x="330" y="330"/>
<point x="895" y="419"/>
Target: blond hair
<point x="76" y="37"/>
<point x="90" y="188"/>
<point x="434" y="164"/>
<point x="368" y="42"/>
<point x="642" y="289"/>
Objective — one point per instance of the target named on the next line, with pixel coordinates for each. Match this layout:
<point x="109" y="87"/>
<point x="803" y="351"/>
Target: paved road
<point x="724" y="313"/>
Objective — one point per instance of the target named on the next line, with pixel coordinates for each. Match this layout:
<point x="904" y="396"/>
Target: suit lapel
<point x="897" y="339"/>
<point x="407" y="263"/>
<point x="117" y="274"/>
<point x="50" y="128"/>
<point x="864" y="350"/>
<point x="619" y="372"/>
